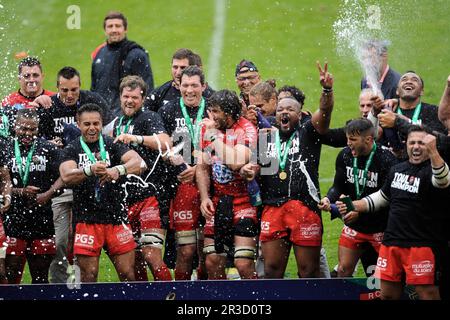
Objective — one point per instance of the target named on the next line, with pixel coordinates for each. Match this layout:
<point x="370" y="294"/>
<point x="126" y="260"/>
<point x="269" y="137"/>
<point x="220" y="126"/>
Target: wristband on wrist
<point x="88" y="171"/>
<point x="327" y="90"/>
<point x="122" y="170"/>
<point x="139" y="139"/>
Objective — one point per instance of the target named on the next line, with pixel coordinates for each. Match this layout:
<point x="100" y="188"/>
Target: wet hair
<point x="67" y="73"/>
<point x="27" y="114"/>
<point x="89" y="107"/>
<point x="191" y="71"/>
<point x="264" y="89"/>
<point x="134" y="82"/>
<point x="227" y="101"/>
<point x="421" y="80"/>
<point x="29" y="62"/>
<point x="116" y="15"/>
<point x="380" y="46"/>
<point x="296" y="93"/>
<point x="360" y="127"/>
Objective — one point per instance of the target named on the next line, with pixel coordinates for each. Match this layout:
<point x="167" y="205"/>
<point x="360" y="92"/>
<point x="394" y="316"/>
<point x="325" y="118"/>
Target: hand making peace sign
<point x="326" y="79"/>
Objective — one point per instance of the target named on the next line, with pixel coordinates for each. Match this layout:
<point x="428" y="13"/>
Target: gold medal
<point x="283" y="175"/>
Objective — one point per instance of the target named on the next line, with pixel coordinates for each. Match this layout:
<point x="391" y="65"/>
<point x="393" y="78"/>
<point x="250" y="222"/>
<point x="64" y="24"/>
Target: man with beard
<point x="231" y="220"/>
<point x="290" y="186"/>
<point x="29" y="222"/>
<point x="361" y="169"/>
<point x="95" y="168"/>
<point x="182" y="120"/>
<point x="116" y="58"/>
<point x="415" y="232"/>
<point x="148" y="208"/>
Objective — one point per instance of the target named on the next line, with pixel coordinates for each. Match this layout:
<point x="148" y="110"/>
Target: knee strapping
<point x="210" y="249"/>
<point x="245" y="252"/>
<point x="152" y="239"/>
<point x="186" y="237"/>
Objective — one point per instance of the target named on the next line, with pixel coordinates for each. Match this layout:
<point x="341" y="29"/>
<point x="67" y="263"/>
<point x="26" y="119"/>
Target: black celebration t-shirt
<point x="107" y="204"/>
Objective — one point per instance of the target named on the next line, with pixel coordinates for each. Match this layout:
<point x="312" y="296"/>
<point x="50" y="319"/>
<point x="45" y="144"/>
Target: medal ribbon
<point x="415" y="118"/>
<point x="24" y="174"/>
<point x="89" y="152"/>
<point x="282" y="156"/>
<point x="93" y="160"/>
<point x="125" y="130"/>
<point x="366" y="170"/>
<point x="4" y="132"/>
<point x="194" y="130"/>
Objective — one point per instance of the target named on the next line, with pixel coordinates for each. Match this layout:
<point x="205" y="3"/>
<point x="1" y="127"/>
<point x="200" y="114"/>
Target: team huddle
<point x="234" y="178"/>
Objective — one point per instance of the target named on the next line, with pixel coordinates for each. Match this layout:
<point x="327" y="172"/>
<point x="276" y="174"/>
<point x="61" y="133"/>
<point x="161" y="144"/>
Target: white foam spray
<point x="355" y="33"/>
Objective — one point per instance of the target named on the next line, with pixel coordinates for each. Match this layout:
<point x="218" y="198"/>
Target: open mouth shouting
<point x="92" y="136"/>
<point x="408" y="87"/>
<point x="416" y="155"/>
<point x="26" y="139"/>
<point x="32" y="85"/>
<point x="285" y="121"/>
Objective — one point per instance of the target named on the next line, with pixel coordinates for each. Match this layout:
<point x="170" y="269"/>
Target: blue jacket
<point x="112" y="62"/>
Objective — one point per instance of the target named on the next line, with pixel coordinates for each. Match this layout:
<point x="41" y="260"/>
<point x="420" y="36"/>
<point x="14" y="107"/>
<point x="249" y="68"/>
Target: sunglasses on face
<point x="250" y="78"/>
<point x="29" y="75"/>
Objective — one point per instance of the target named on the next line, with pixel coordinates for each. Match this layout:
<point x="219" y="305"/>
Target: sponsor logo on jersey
<point x="422" y="267"/>
<point x="124" y="235"/>
<point x="310" y="231"/>
<point x="183" y="215"/>
<point x="378" y="237"/>
<point x="59" y="123"/>
<point x="272" y="149"/>
<point x="406" y="182"/>
<point x="246" y="213"/>
<point x="83" y="159"/>
<point x="181" y="125"/>
<point x="382" y="263"/>
<point x="372" y="177"/>
<point x="349" y="232"/>
<point x="149" y="214"/>
<point x="38" y="163"/>
<point x="84" y="240"/>
<point x="221" y="173"/>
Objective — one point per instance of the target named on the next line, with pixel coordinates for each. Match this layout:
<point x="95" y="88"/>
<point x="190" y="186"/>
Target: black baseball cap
<point x="248" y="65"/>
